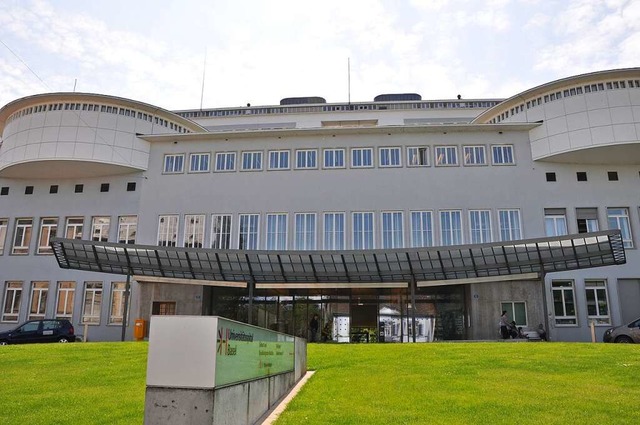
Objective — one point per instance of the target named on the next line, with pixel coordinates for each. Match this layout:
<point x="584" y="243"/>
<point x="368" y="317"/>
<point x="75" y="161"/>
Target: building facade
<point x="397" y="172"/>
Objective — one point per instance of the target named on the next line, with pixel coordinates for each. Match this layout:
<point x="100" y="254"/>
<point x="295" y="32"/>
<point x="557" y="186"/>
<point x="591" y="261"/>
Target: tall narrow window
<point x="278" y="160"/>
<point x="38" y="304"/>
<point x="474" y="155"/>
<point x="117" y="302"/>
<point x="12" y="296"/>
<point x="305" y="238"/>
<point x="252" y="161"/>
<point x="334" y="231"/>
<point x="276" y="231"/>
<point x="221" y="231"/>
<point x="564" y="303"/>
<point x="510" y="229"/>
<point x="225" y="161"/>
<point x="333" y="158"/>
<point x="421" y="229"/>
<point x="127" y="229"/>
<point x="619" y="219"/>
<point x="361" y="157"/>
<point x="173" y="164"/>
<point x="74" y="227"/>
<point x="502" y="155"/>
<point x="555" y="221"/>
<point x="64" y="304"/>
<point x="248" y="231"/>
<point x="363" y="230"/>
<point x="4" y="223"/>
<point x="167" y="230"/>
<point x="390" y="157"/>
<point x="480" y="222"/>
<point x="392" y="230"/>
<point x="418" y="156"/>
<point x="194" y="230"/>
<point x="48" y="230"/>
<point x="451" y="227"/>
<point x="199" y="162"/>
<point x="92" y="303"/>
<point x="306" y="158"/>
<point x="587" y="219"/>
<point x="100" y="229"/>
<point x="446" y="156"/>
<point x="22" y="238"/>
<point x="597" y="302"/>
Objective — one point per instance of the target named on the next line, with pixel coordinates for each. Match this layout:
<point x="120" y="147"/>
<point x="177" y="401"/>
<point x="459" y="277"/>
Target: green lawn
<point x="447" y="383"/>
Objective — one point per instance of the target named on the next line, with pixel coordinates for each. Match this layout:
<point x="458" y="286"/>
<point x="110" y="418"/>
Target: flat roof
<point x="352" y="268"/>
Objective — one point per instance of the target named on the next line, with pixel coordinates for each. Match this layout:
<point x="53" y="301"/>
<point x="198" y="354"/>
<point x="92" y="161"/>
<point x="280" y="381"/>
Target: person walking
<point x="313" y="329"/>
<point x="504" y="325"/>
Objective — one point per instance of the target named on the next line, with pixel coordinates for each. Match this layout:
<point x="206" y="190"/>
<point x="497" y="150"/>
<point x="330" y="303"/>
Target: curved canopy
<point x="382" y="267"/>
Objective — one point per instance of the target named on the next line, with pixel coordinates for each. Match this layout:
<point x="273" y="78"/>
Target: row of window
<point x="581" y="176"/>
<point x="65" y="292"/>
<point x="74" y="229"/>
<point x="91" y="107"/>
<point x="555" y="222"/>
<point x="417" y="156"/>
<point x="573" y="91"/>
<point x="79" y="188"/>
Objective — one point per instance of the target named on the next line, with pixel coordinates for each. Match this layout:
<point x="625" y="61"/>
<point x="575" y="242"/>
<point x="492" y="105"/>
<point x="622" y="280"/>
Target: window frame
<point x="39" y="310"/>
<point x="510" y="307"/>
<point x="422" y="152"/>
<point x="101" y="227"/>
<point x="252" y="235"/>
<point x="625" y="231"/>
<point x="428" y="232"/>
<point x="4" y="229"/>
<point x="51" y="229"/>
<point x="355" y="152"/>
<point x="502" y="148"/>
<point x="172" y="169"/>
<point x="118" y="290"/>
<point x="25" y="239"/>
<point x="306" y="153"/>
<point x="437" y="160"/>
<point x="336" y="237"/>
<point x="305" y="238"/>
<point x="390" y="235"/>
<point x="200" y="156"/>
<point x="225" y="162"/>
<point x="453" y="232"/>
<point x="365" y="238"/>
<point x="470" y="161"/>
<point x="68" y="302"/>
<point x="218" y="238"/>
<point x="564" y="320"/>
<point x="595" y="286"/>
<point x="16" y="287"/>
<point x="332" y="152"/>
<point x="194" y="228"/>
<point x="278" y="158"/>
<point x="171" y="225"/>
<point x="510" y="229"/>
<point x="485" y="231"/>
<point x="276" y="238"/>
<point x="251" y="155"/>
<point x="74" y="227"/>
<point x="97" y="295"/>
<point x="130" y="228"/>
<point x="386" y="154"/>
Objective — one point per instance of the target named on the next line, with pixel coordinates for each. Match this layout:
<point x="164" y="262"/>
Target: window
<point x="555" y="222"/>
<point x="104" y="187"/>
<point x="361" y="157"/>
<point x="173" y="164"/>
<point x="334" y="231"/>
<point x="194" y="231"/>
<point x="474" y="155"/>
<point x="4" y="223"/>
<point x="612" y="175"/>
<point x="305" y="236"/>
<point x="502" y="155"/>
<point x="4" y="191"/>
<point x="79" y="188"/>
<point x="278" y="160"/>
<point x="480" y="223"/>
<point x="446" y="156"/>
<point x="92" y="303"/>
<point x="168" y="230"/>
<point x="131" y="186"/>
<point x="64" y="305"/>
<point x="363" y="230"/>
<point x="127" y="229"/>
<point x="53" y="188"/>
<point x="73" y="228"/>
<point x="38" y="304"/>
<point x="12" y="295"/>
<point x="619" y="219"/>
<point x="451" y="227"/>
<point x="421" y="229"/>
<point x="587" y="219"/>
<point x="510" y="229"/>
<point x="100" y="228"/>
<point x="276" y="231"/>
<point x="418" y="156"/>
<point x="390" y="157"/>
<point x="221" y="231"/>
<point x="551" y="177"/>
<point x="117" y="302"/>
<point x="516" y="311"/>
<point x="28" y="190"/>
<point x="334" y="158"/>
<point x="225" y="161"/>
<point x="199" y="162"/>
<point x="252" y="160"/>
<point x="392" y="230"/>
<point x="163" y="308"/>
<point x="307" y="158"/>
<point x="597" y="302"/>
<point x="581" y="176"/>
<point x="248" y="232"/>
<point x="564" y="303"/>
<point x="48" y="230"/>
<point x="22" y="237"/>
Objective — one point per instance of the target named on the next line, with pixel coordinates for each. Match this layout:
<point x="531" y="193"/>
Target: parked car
<point x="49" y="330"/>
<point x="625" y="333"/>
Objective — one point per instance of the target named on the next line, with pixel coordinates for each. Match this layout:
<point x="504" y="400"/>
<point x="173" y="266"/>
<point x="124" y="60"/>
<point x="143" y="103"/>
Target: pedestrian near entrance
<point x="313" y="329"/>
<point x="504" y="325"/>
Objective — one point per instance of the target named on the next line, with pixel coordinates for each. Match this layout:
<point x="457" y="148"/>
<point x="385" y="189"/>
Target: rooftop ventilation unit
<point x="302" y="100"/>
<point x="397" y="97"/>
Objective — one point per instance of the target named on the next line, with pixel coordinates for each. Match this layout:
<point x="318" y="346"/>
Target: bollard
<point x="593" y="331"/>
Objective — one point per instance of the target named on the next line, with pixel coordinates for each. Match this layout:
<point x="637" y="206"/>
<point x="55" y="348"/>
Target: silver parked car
<point x="625" y="333"/>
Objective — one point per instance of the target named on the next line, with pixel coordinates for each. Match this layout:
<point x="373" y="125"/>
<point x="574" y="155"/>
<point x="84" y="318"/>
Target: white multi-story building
<point x="395" y="173"/>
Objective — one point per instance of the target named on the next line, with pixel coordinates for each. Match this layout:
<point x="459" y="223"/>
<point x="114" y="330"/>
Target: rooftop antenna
<point x="349" y="80"/>
<point x="204" y="70"/>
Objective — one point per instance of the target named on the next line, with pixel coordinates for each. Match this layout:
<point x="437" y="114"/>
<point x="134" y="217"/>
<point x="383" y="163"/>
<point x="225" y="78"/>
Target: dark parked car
<point x="54" y="330"/>
<point x="624" y="333"/>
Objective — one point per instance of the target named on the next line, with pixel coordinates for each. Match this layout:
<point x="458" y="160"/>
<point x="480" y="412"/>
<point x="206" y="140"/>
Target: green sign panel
<point x="245" y="352"/>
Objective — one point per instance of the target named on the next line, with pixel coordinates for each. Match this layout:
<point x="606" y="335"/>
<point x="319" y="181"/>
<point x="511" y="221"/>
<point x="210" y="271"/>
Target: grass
<point x="442" y="383"/>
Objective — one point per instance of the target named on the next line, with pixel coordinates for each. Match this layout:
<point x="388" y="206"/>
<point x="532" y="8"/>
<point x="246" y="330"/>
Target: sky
<point x="188" y="54"/>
